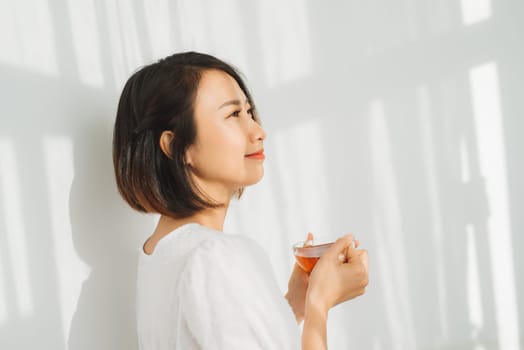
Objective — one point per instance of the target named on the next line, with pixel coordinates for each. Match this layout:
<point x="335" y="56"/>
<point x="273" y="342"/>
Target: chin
<point x="253" y="180"/>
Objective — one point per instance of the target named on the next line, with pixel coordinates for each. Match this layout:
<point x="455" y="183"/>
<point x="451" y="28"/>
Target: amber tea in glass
<point x="307" y="253"/>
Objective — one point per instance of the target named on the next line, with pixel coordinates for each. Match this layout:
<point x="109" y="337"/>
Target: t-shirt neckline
<point x="162" y="241"/>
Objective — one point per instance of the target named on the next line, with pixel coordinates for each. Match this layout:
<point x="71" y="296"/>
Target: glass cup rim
<point x="321" y="241"/>
<point x="314" y="251"/>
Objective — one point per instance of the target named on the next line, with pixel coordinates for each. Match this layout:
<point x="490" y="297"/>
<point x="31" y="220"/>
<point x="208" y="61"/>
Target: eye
<point x="235" y="114"/>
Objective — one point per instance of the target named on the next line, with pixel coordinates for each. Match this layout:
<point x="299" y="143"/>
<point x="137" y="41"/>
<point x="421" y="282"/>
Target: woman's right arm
<point x="314" y="332"/>
<point x="331" y="283"/>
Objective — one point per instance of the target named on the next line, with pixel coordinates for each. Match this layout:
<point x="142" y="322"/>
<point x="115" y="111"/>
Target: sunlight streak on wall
<point x="285" y="40"/>
<point x="158" y="25"/>
<point x="3" y="295"/>
<point x="476" y="315"/>
<point x="474" y="11"/>
<point x="215" y="26"/>
<point x="85" y="34"/>
<point x="228" y="38"/>
<point x="192" y="24"/>
<point x="428" y="146"/>
<point x="14" y="220"/>
<point x="124" y="41"/>
<point x="27" y="39"/>
<point x="492" y="159"/>
<point x="387" y="222"/>
<point x="71" y="270"/>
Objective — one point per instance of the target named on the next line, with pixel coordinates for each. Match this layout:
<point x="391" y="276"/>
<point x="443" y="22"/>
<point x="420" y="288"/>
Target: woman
<point x="187" y="139"/>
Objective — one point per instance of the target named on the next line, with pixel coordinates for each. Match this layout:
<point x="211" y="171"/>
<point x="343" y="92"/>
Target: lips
<point x="258" y="154"/>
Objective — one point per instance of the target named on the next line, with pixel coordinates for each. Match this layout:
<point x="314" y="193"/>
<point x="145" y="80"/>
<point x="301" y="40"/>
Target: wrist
<point x="315" y="306"/>
<point x="314" y="333"/>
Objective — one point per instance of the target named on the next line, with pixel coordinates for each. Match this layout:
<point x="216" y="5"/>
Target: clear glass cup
<point x="307" y="253"/>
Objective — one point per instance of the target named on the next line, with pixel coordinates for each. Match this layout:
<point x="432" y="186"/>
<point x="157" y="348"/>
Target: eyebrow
<point x="232" y="102"/>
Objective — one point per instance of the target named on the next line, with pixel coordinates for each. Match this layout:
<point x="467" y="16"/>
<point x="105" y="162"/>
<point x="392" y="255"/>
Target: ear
<point x="166" y="139"/>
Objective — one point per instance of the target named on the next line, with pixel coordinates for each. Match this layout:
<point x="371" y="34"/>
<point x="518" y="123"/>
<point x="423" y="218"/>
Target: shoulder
<point x="216" y="242"/>
<point x="224" y="248"/>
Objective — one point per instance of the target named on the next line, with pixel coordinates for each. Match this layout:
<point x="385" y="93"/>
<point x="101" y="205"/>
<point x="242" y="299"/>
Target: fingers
<point x="363" y="257"/>
<point x="363" y="254"/>
<point x="346" y="248"/>
<point x="352" y="252"/>
<point x="340" y="246"/>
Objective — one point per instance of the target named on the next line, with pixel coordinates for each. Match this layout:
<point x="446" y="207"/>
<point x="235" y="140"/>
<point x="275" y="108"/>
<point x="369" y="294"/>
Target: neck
<point x="212" y="218"/>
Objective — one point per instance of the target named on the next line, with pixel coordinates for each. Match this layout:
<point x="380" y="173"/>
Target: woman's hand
<point x="332" y="281"/>
<point x="297" y="289"/>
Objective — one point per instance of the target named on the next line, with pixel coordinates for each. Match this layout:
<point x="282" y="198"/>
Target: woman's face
<point x="226" y="134"/>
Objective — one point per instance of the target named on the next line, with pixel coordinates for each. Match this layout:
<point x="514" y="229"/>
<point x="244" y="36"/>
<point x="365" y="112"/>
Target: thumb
<point x="309" y="240"/>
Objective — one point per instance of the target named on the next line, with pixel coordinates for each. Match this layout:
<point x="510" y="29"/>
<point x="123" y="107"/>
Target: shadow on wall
<point x="62" y="166"/>
<point x="107" y="240"/>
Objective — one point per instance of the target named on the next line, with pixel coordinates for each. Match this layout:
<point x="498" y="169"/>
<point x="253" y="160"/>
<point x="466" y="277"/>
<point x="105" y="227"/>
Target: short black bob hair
<point x="156" y="98"/>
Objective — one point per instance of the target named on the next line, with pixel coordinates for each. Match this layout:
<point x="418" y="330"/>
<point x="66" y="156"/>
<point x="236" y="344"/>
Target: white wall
<point x="398" y="121"/>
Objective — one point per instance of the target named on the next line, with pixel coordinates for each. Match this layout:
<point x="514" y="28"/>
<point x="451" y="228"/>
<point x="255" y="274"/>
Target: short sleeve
<point x="230" y="298"/>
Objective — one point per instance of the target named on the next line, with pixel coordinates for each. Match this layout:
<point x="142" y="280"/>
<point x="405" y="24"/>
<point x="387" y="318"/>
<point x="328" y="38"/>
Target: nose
<point x="256" y="132"/>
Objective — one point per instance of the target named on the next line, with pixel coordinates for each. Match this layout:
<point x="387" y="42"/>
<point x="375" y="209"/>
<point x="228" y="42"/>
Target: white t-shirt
<point x="204" y="289"/>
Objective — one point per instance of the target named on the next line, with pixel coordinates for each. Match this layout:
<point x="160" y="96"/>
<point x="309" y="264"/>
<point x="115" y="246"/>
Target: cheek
<point x="227" y="140"/>
<point x="221" y="148"/>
